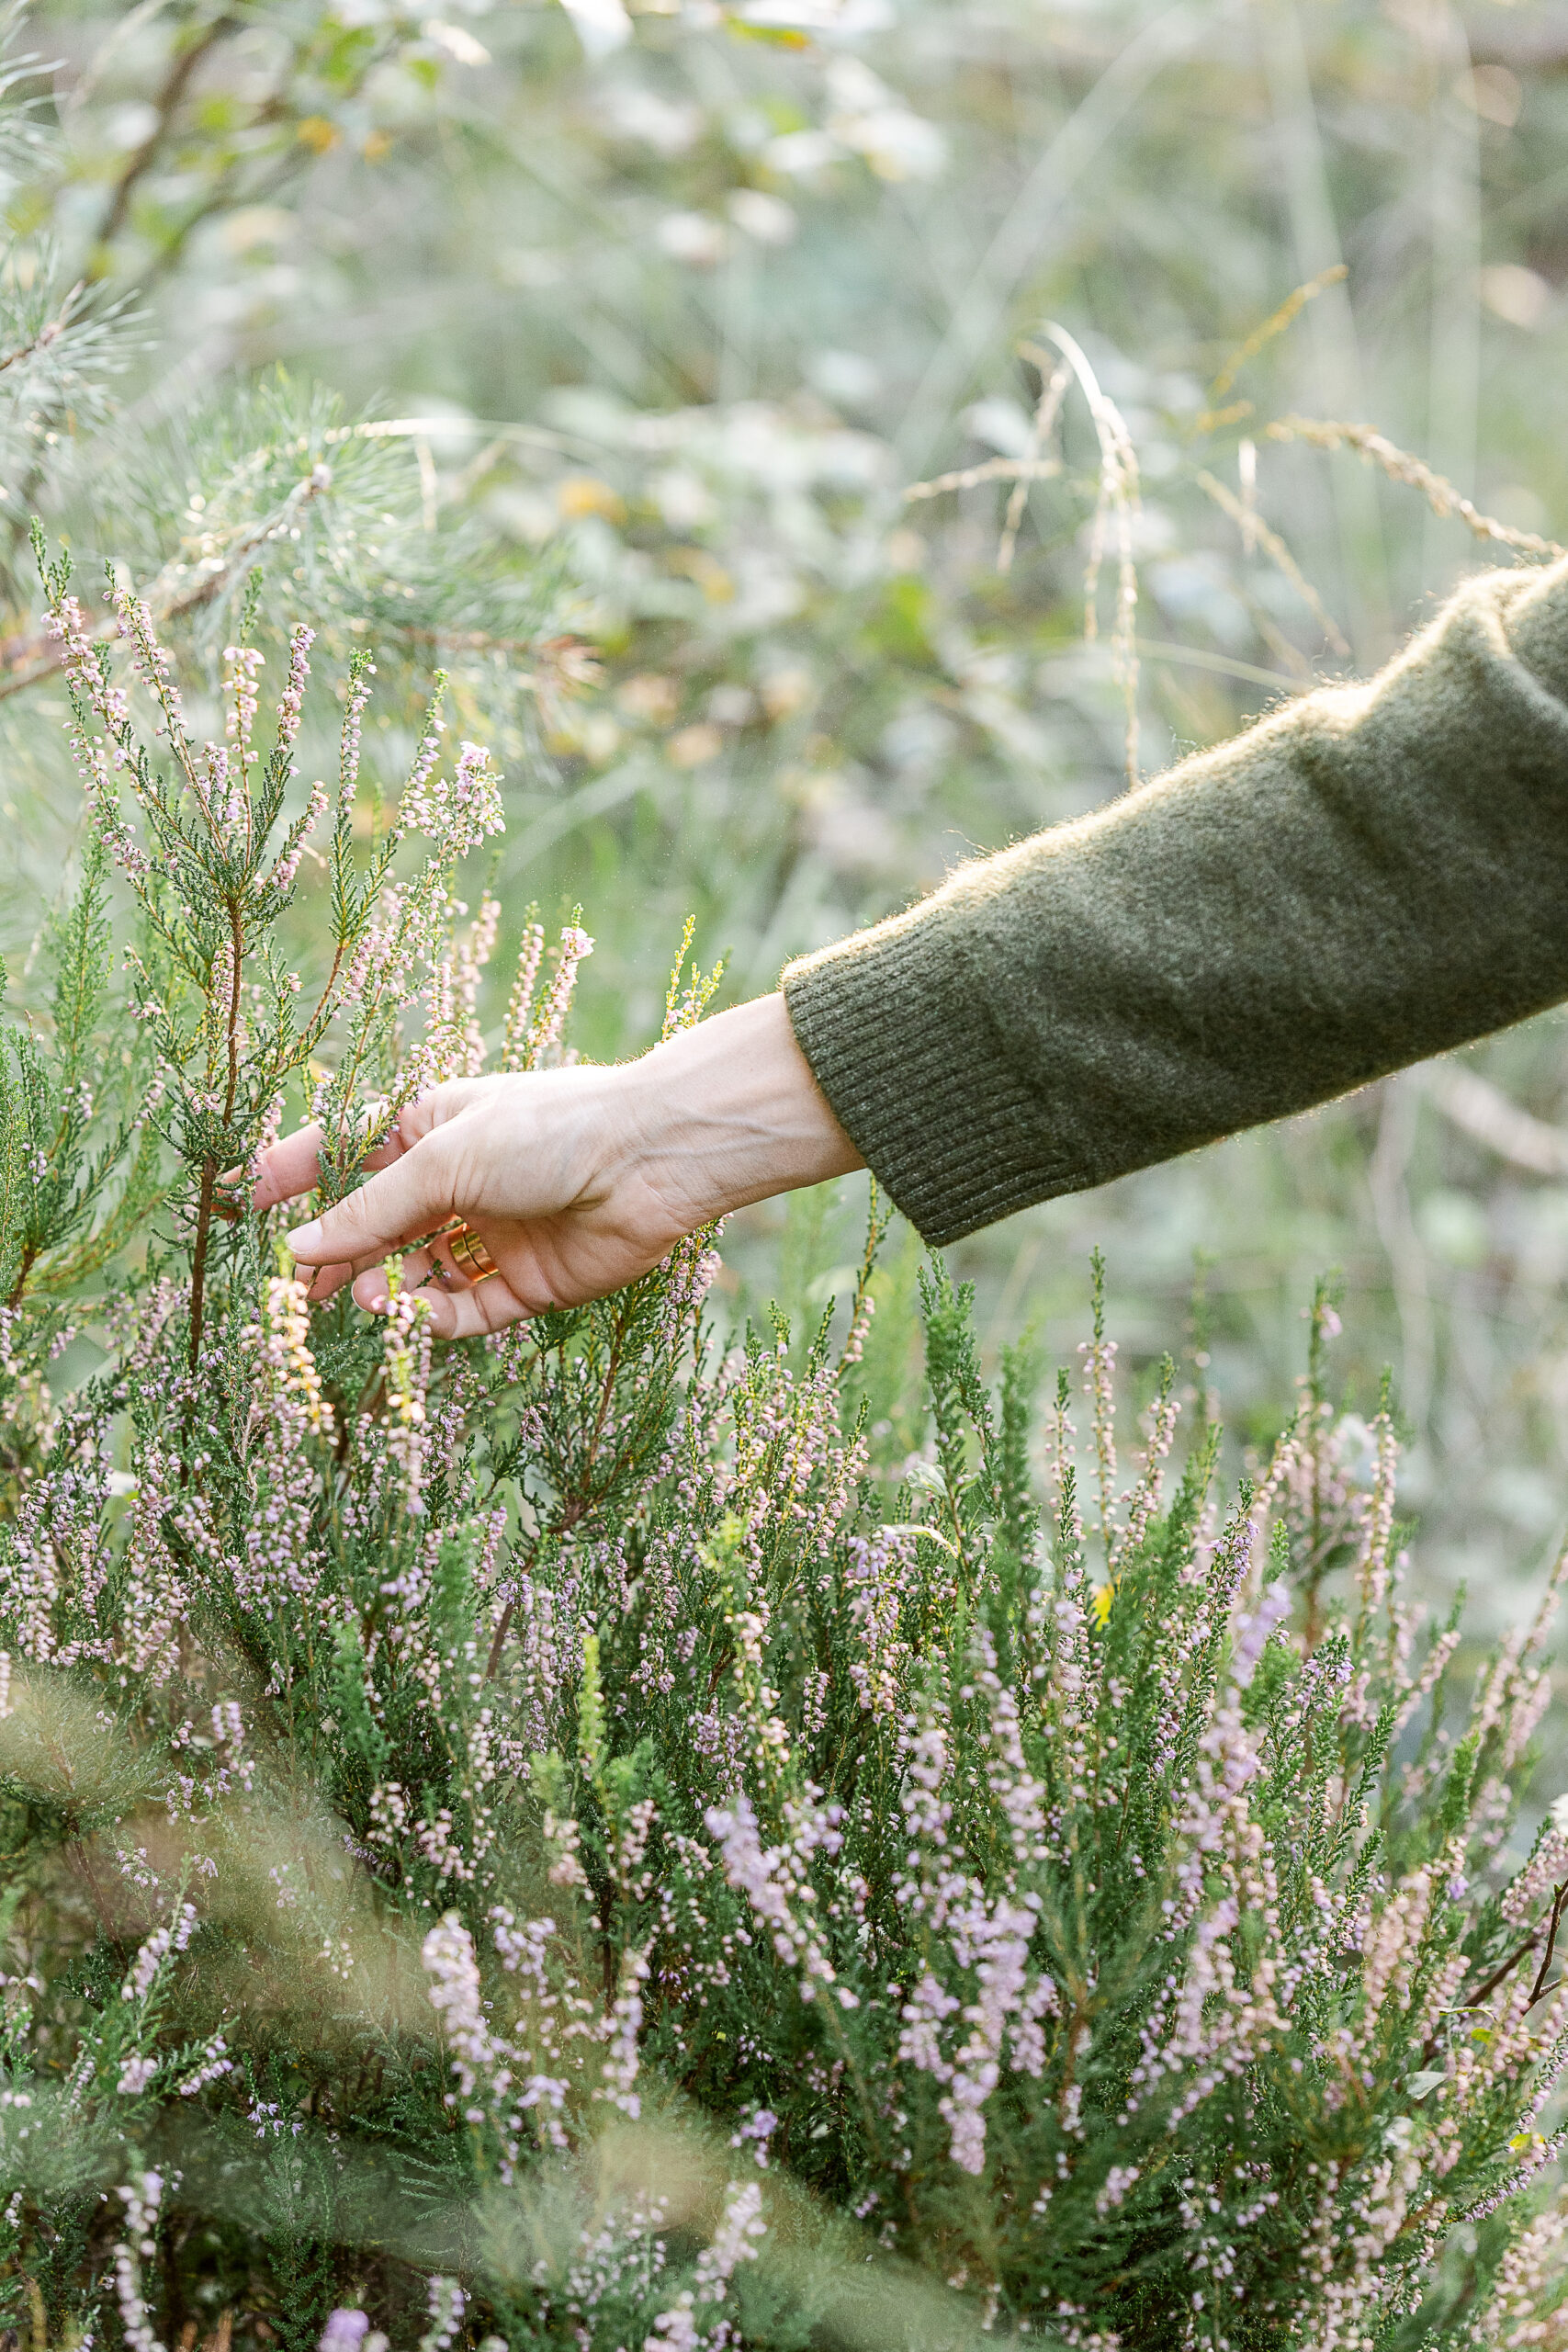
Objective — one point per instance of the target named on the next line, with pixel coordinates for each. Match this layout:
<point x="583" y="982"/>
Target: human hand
<point x="575" y="1181"/>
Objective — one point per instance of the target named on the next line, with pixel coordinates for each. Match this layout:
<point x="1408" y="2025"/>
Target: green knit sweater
<point x="1367" y="875"/>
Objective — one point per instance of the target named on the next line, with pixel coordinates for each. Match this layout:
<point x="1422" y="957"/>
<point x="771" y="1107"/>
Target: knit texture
<point x="1368" y="875"/>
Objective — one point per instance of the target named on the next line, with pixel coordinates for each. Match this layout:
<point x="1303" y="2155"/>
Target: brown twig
<point x="198" y="1259"/>
<point x="46" y="660"/>
<point x="1119" y="503"/>
<point x="210" y="1173"/>
<point x="1025" y="470"/>
<point x="1053" y="391"/>
<point x="1505" y="1968"/>
<point x="1559" y="1897"/>
<point x="163" y="601"/>
<point x="1485" y="1991"/>
<point x="167" y="102"/>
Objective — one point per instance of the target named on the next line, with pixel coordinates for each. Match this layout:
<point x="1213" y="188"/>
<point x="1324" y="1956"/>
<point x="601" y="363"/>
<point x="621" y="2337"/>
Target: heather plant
<point x="580" y="1836"/>
<point x="700" y="306"/>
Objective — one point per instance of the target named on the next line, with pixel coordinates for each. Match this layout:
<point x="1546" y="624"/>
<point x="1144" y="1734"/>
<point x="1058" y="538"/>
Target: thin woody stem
<point x="167" y="105"/>
<point x="237" y="959"/>
<point x="1560" y="1896"/>
<point x="199" y="1258"/>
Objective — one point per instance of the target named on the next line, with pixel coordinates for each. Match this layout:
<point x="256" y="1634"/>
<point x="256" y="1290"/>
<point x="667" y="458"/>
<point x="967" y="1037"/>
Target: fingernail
<point x="305" y="1237"/>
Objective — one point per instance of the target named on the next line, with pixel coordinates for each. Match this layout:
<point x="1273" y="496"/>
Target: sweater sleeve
<point x="1367" y="875"/>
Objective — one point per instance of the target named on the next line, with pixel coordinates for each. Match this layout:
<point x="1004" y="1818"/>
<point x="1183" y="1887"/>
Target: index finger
<point x="288" y="1168"/>
<point x="293" y="1166"/>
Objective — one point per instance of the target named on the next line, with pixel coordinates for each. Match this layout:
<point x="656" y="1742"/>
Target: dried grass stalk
<point x="1047" y="408"/>
<point x="1019" y="470"/>
<point x="1330" y="433"/>
<point x="1286" y="315"/>
<point x="1256" y="533"/>
<point x="1119" y="502"/>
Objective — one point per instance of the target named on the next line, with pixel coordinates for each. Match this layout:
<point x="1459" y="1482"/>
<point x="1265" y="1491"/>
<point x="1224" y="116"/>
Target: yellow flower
<point x="581" y="494"/>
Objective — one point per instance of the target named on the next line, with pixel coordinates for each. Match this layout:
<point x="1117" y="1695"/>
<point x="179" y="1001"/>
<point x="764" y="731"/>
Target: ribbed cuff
<point x="902" y="1047"/>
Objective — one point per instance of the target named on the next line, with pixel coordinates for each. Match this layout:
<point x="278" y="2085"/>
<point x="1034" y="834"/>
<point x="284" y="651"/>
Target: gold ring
<point x="470" y="1256"/>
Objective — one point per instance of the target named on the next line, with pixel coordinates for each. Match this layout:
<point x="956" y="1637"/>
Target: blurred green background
<point x="675" y="302"/>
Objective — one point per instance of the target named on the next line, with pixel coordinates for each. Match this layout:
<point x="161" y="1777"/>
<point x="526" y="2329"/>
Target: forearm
<point x="1372" y="876"/>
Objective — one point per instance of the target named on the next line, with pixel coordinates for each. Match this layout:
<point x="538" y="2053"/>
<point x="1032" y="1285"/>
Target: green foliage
<point x="79" y="1167"/>
<point x="715" y="425"/>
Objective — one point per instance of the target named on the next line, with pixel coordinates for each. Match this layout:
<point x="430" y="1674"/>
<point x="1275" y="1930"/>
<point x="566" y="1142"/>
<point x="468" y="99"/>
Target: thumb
<point x="410" y="1197"/>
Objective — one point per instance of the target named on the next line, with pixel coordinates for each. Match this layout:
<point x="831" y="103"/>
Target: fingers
<point x="292" y="1166"/>
<point x="322" y="1282"/>
<point x="289" y="1169"/>
<point x="483" y="1307"/>
<point x="459" y="1308"/>
<point x="407" y="1198"/>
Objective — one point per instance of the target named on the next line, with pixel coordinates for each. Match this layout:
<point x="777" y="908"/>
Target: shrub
<point x="552" y="1840"/>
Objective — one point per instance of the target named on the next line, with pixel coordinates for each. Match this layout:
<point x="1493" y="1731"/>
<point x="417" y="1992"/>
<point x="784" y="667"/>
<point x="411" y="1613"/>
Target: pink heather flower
<point x="688" y="2322"/>
<point x="448" y="1953"/>
<point x="354" y="701"/>
<point x="405" y="1349"/>
<point x="881" y="1570"/>
<point x="1253" y="1633"/>
<point x="625" y="2024"/>
<point x="241" y="663"/>
<point x="447" y="2304"/>
<point x="290" y="703"/>
<point x="215" y="2064"/>
<point x="759" y="2128"/>
<point x="550" y="1019"/>
<point x="97" y="756"/>
<point x="172" y="1936"/>
<point x="736" y="2240"/>
<point x="458" y="812"/>
<point x="775" y="1880"/>
<point x="385" y="953"/>
<point x="425" y="756"/>
<point x="344" y="2332"/>
<point x="288" y="865"/>
<point x="1118" y="2181"/>
<point x="140" y="2199"/>
<point x="151" y="661"/>
<point x="454" y="1042"/>
<point x="224" y="788"/>
<point x="520" y="1005"/>
<point x="855" y="1344"/>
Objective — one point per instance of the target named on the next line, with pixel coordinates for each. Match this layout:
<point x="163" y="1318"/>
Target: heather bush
<point x="578" y="1838"/>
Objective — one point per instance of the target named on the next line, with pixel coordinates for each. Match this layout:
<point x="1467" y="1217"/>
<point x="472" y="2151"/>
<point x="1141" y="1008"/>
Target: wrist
<point x="728" y="1112"/>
